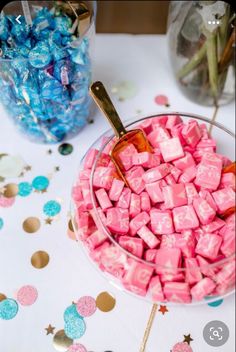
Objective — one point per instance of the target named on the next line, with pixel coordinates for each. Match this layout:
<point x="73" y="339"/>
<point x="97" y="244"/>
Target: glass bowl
<point x="46" y="67"/>
<point x="124" y="269"/>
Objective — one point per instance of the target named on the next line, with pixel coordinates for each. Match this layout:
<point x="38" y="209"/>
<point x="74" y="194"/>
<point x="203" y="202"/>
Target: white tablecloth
<point x="69" y="275"/>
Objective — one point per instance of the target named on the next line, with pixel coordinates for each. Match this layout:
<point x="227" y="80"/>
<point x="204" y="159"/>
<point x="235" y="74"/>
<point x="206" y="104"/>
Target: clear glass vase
<point x="201" y="38"/>
<point x="46" y="66"/>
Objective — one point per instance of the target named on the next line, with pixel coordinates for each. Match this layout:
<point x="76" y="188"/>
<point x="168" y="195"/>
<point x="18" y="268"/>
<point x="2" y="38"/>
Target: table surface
<point x="143" y="61"/>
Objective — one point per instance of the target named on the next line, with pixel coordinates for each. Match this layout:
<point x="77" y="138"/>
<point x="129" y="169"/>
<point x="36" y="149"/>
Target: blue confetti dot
<point x="74" y="329"/>
<point x="8" y="309"/>
<point x="40" y="183"/>
<point x="216" y="303"/>
<point x="1" y="223"/>
<point x="25" y="189"/>
<point x="71" y="313"/>
<point x="52" y="208"/>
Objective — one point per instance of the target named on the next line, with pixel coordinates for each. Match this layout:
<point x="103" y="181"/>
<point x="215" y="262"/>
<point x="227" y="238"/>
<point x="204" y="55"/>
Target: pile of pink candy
<point x="170" y="218"/>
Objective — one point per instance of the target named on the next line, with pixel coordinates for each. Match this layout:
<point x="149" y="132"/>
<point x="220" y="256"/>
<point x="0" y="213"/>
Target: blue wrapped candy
<point x="45" y="73"/>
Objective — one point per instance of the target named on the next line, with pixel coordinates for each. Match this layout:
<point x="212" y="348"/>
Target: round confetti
<point x="52" y="208"/>
<point x="77" y="347"/>
<point x="40" y="183"/>
<point x="65" y="149"/>
<point x="27" y="295"/>
<point x="11" y="190"/>
<point x="216" y="303"/>
<point x="6" y="202"/>
<point x="61" y="342"/>
<point x="2" y="297"/>
<point x="182" y="347"/>
<point x="8" y="309"/>
<point x="1" y="223"/>
<point x="40" y="259"/>
<point x="71" y="313"/>
<point x="31" y="224"/>
<point x="105" y="302"/>
<point x="125" y="90"/>
<point x="75" y="328"/>
<point x="24" y="189"/>
<point x="161" y="100"/>
<point x="86" y="306"/>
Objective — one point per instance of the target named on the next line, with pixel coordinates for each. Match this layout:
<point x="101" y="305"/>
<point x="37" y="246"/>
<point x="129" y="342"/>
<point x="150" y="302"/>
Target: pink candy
<point x="171" y="149"/>
<point x="185" y="218"/>
<point x="169" y="216"/>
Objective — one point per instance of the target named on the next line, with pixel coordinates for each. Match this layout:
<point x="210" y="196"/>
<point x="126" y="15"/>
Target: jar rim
<point x="105" y="229"/>
<point x="77" y="40"/>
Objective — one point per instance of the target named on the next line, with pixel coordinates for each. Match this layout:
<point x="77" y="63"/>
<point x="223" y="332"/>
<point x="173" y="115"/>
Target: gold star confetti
<point x="50" y="329"/>
<point x="163" y="310"/>
<point x="188" y="339"/>
<point x="43" y="190"/>
<point x="49" y="151"/>
<point x="57" y="168"/>
<point x="37" y="191"/>
<point x="22" y="174"/>
<point x="48" y="221"/>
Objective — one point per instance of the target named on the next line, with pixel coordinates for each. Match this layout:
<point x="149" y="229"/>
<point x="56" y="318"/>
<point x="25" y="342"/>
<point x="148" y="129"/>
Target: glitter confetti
<point x="31" y="224"/>
<point x="65" y="148"/>
<point x="1" y="223"/>
<point x="48" y="221"/>
<point x="105" y="302"/>
<point x="2" y="297"/>
<point x="8" y="309"/>
<point x="161" y="100"/>
<point x="27" y="295"/>
<point x="11" y="190"/>
<point x="6" y="202"/>
<point x="24" y="189"/>
<point x="182" y="347"/>
<point x="86" y="306"/>
<point x="77" y="347"/>
<point x="61" y="342"/>
<point x="40" y="183"/>
<point x="216" y="303"/>
<point x="40" y="259"/>
<point x="71" y="313"/>
<point x="52" y="208"/>
<point x="75" y="328"/>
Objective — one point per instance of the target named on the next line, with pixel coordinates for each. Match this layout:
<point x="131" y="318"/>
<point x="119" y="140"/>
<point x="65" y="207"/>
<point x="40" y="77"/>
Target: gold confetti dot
<point x="105" y="302"/>
<point x="40" y="259"/>
<point x="61" y="342"/>
<point x="11" y="190"/>
<point x="2" y="297"/>
<point x="31" y="224"/>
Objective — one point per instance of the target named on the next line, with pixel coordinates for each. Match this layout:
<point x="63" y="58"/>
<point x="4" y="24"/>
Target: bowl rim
<point x="127" y="124"/>
<point x="78" y="40"/>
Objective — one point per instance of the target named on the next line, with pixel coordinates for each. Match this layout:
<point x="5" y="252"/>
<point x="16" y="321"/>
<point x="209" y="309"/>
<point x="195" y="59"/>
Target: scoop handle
<point x="102" y="99"/>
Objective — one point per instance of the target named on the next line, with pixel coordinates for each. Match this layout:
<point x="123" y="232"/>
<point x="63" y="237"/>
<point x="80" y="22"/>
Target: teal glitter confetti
<point x="25" y="189"/>
<point x="65" y="149"/>
<point x="1" y="223"/>
<point x="52" y="208"/>
<point x="8" y="309"/>
<point x="71" y="313"/>
<point x="75" y="328"/>
<point x="215" y="303"/>
<point x="40" y="183"/>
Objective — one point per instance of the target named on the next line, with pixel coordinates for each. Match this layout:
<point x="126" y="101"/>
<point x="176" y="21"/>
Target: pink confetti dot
<point x="161" y="100"/>
<point x="182" y="347"/>
<point x="6" y="202"/>
<point x="86" y="306"/>
<point x="27" y="295"/>
<point x="77" y="347"/>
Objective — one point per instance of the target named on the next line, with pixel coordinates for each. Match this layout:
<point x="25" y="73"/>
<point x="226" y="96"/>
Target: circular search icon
<point x="216" y="333"/>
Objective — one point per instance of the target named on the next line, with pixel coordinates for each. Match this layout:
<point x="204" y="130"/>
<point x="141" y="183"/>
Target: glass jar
<point x="105" y="251"/>
<point x="201" y="37"/>
<point x="45" y="66"/>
